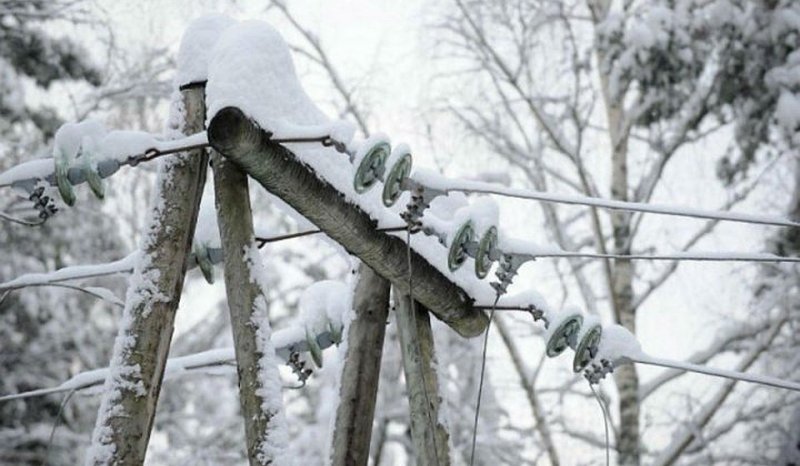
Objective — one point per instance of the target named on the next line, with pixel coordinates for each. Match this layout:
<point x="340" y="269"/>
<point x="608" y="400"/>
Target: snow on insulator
<point x="398" y="168"/>
<point x="68" y="143"/>
<point x="71" y="136"/>
<point x="207" y="229"/>
<point x="562" y="329"/>
<point x="587" y="342"/>
<point x="459" y="235"/>
<point x="617" y="345"/>
<point x="485" y="216"/>
<point x="251" y="69"/>
<point x="370" y="162"/>
<point x="323" y="306"/>
<point x="446" y="206"/>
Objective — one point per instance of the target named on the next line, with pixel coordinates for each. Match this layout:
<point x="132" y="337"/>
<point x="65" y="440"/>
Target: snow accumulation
<point x="555" y="317"/>
<point x="618" y="345"/>
<point x="208" y="362"/>
<point x="77" y="139"/>
<point x="325" y="303"/>
<point x="272" y="446"/>
<point x="207" y="230"/>
<point x="195" y="49"/>
<point x="75" y="272"/>
<point x="252" y="69"/>
<point x="439" y="182"/>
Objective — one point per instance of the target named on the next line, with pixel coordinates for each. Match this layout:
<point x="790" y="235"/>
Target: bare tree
<point x="568" y="87"/>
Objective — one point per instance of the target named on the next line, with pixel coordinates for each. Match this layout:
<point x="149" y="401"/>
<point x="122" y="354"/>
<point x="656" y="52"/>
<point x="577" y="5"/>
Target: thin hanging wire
<point x="264" y="240"/>
<point x="605" y="422"/>
<point x="20" y="221"/>
<point x="480" y="382"/>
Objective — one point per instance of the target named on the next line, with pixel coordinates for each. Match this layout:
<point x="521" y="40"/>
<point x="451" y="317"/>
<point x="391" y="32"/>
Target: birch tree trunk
<point x="622" y="275"/>
<point x="127" y="410"/>
<point x="430" y="437"/>
<point x="259" y="385"/>
<point x="361" y="372"/>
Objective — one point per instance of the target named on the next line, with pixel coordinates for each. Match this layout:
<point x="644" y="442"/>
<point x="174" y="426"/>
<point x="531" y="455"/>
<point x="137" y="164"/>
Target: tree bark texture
<point x="429" y="436"/>
<point x="126" y="414"/>
<point x="235" y="219"/>
<point x="361" y="372"/>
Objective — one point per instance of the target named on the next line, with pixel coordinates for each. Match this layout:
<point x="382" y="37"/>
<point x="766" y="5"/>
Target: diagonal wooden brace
<point x="279" y="171"/>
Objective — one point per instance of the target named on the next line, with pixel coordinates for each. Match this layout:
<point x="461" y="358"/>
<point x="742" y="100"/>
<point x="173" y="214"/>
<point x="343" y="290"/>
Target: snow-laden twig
<point x="292" y="339"/>
<point x="75" y="272"/>
<point x="20" y="221"/>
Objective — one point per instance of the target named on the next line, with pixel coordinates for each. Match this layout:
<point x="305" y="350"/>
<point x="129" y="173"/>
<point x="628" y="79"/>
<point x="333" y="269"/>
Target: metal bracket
<point x="598" y="371"/>
<point x="509" y="264"/>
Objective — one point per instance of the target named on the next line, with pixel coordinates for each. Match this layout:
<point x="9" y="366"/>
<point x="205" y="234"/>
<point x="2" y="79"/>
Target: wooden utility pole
<point x="239" y="139"/>
<point x="235" y="219"/>
<point x="361" y="372"/>
<point x="126" y="414"/>
<point x="429" y="435"/>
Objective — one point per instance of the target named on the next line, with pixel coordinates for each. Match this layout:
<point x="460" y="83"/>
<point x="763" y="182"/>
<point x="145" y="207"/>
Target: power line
<point x="445" y="186"/>
<point x="723" y="373"/>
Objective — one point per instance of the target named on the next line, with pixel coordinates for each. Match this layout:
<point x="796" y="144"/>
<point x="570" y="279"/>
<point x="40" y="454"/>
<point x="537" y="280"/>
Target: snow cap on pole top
<point x="196" y="45"/>
<point x="251" y="68"/>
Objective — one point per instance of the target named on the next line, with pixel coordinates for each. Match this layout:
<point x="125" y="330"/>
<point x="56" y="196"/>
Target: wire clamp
<point x="508" y="267"/>
<point x="44" y="204"/>
<point x="598" y="371"/>
<point x="299" y="368"/>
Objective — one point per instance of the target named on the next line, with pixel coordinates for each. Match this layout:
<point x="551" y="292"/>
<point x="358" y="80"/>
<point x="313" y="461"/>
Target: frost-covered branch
<point x="684" y="438"/>
<point x="287" y="341"/>
<point x="542" y="425"/>
<point x="75" y="272"/>
<point x="718" y="346"/>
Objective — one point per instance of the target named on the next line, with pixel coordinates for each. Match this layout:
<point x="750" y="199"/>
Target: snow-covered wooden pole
<point x="259" y="383"/>
<point x="429" y="435"/>
<point x="238" y="138"/>
<point x="127" y="410"/>
<point x="361" y="372"/>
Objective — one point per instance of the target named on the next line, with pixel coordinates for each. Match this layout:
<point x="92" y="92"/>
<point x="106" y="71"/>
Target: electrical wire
<point x="689" y="257"/>
<point x="20" y="221"/>
<point x="264" y="240"/>
<point x="476" y="187"/>
<point x="696" y="257"/>
<point x="605" y="422"/>
<point x="480" y="382"/>
<point x="723" y="373"/>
